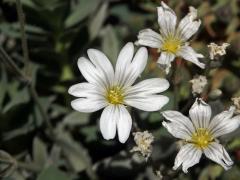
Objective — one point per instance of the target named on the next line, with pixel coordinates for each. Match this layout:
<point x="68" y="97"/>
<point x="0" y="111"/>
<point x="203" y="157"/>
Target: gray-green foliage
<point x="58" y="33"/>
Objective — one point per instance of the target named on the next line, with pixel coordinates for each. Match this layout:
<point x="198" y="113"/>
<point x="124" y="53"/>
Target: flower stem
<point x="32" y="90"/>
<point x="21" y="18"/>
<point x="11" y="65"/>
<point x="176" y="82"/>
<point x="204" y="94"/>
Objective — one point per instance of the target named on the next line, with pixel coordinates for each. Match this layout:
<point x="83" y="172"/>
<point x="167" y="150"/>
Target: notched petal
<point x="150" y="38"/>
<point x="217" y="153"/>
<point x="200" y="113"/>
<point x="188" y="156"/>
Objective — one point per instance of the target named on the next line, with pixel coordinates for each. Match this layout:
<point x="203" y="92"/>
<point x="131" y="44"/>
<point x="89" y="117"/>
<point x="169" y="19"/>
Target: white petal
<point x="177" y="131"/>
<point x="102" y="64"/>
<point x="147" y="103"/>
<point x="167" y="19"/>
<point x="188" y="156"/>
<point x="189" y="54"/>
<point x="179" y="123"/>
<point x="124" y="124"/>
<point x="91" y="73"/>
<point x="123" y="61"/>
<point x="165" y="58"/>
<point x="217" y="153"/>
<point x="200" y="114"/>
<point x="133" y="71"/>
<point x="148" y="86"/>
<point x="193" y="158"/>
<point x="187" y="27"/>
<point x="223" y="123"/>
<point x="85" y="90"/>
<point x="150" y="38"/>
<point x="223" y="116"/>
<point x="91" y="104"/>
<point x="108" y="122"/>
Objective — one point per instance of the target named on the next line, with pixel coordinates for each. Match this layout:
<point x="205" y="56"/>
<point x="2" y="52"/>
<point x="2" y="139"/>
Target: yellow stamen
<point x="171" y="45"/>
<point x="201" y="138"/>
<point x="115" y="95"/>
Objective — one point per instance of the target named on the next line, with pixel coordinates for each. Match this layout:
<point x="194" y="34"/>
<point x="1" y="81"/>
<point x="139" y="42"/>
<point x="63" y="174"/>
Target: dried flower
<point x="144" y="143"/>
<point x="216" y="50"/>
<point x="236" y="103"/>
<point x="198" y="84"/>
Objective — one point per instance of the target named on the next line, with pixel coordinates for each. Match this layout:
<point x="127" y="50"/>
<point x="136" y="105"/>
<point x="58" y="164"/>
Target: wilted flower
<point x="236" y="103"/>
<point x="172" y="40"/>
<point x="200" y="134"/>
<point x="215" y="50"/>
<point x="198" y="84"/>
<point x="144" y="142"/>
<point x="113" y="90"/>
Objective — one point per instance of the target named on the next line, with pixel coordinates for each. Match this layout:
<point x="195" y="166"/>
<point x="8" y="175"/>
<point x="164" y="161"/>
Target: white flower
<point x="198" y="84"/>
<point x="113" y="90"/>
<point x="215" y="50"/>
<point x="200" y="134"/>
<point x="144" y="142"/>
<point x="172" y="40"/>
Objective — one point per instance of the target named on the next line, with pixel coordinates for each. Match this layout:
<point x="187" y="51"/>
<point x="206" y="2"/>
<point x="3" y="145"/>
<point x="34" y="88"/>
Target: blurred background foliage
<point x="58" y="32"/>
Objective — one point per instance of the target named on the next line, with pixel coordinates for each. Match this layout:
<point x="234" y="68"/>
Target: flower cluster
<point x="236" y="103"/>
<point x="144" y="142"/>
<point x="114" y="90"/>
<point x="216" y="50"/>
<point x="198" y="84"/>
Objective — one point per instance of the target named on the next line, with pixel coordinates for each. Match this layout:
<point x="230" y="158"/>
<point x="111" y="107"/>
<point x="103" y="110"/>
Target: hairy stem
<point x="32" y="90"/>
<point x="11" y="66"/>
<point x="204" y="94"/>
<point x="176" y="81"/>
<point x="21" y="18"/>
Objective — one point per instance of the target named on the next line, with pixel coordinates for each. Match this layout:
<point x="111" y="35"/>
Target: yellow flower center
<point x="201" y="138"/>
<point x="171" y="45"/>
<point x="115" y="95"/>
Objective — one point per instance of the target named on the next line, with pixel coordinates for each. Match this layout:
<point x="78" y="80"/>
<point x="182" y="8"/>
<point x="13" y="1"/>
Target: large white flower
<point x="200" y="134"/>
<point x="113" y="90"/>
<point x="172" y="40"/>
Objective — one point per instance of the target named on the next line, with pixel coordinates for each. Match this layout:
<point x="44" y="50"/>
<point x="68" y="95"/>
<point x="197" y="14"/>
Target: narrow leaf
<point x="81" y="11"/>
<point x="110" y="44"/>
<point x="97" y="22"/>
